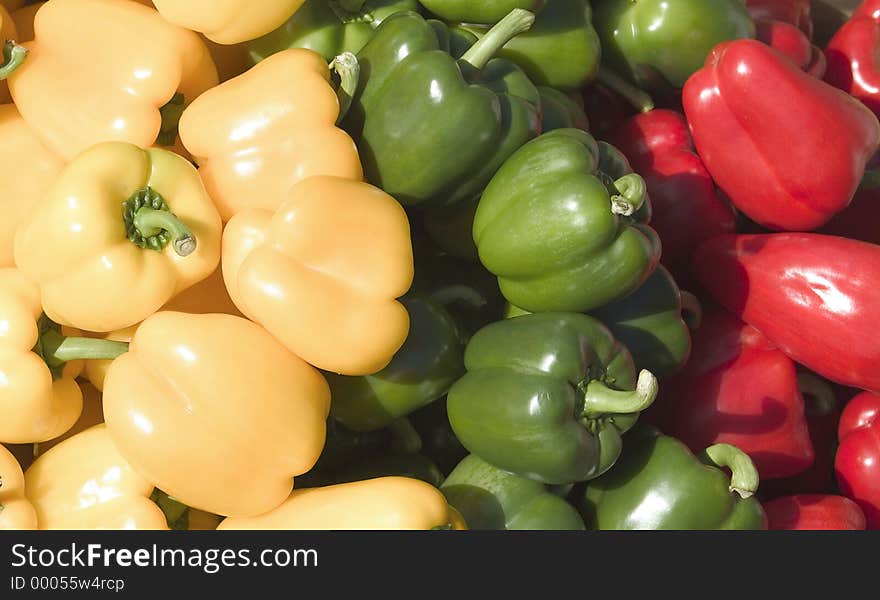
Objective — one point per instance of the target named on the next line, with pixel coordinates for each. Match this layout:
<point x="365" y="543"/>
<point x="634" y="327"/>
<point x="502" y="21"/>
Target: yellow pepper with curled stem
<point x="8" y="32"/>
<point x="228" y="21"/>
<point x="107" y="70"/>
<point x="92" y="414"/>
<point x="84" y="483"/>
<point x="134" y="224"/>
<point x="257" y="135"/>
<point x="16" y="511"/>
<point x="386" y="503"/>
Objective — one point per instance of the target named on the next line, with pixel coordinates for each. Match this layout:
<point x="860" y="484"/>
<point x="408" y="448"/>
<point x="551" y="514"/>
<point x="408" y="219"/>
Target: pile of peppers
<point x="439" y="265"/>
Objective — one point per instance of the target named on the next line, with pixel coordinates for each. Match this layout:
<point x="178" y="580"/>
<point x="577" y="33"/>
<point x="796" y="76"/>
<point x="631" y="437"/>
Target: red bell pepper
<point x="793" y="43"/>
<point x="795" y="12"/>
<point x="686" y="209"/>
<point x="814" y="512"/>
<point x="738" y="389"/>
<point x="854" y="56"/>
<point x="857" y="463"/>
<point x="814" y="296"/>
<point x="757" y="120"/>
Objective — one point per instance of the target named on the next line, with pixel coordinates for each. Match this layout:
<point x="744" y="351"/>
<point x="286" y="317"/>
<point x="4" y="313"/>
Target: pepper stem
<point x="171" y="113"/>
<point x="633" y="191"/>
<point x="516" y="22"/>
<point x="601" y="400"/>
<point x="56" y="349"/>
<point x="405" y="438"/>
<point x="150" y="222"/>
<point x="691" y="310"/>
<point x="744" y="478"/>
<point x="638" y="98"/>
<point x="348" y="69"/>
<point x="13" y="57"/>
<point x="818" y="396"/>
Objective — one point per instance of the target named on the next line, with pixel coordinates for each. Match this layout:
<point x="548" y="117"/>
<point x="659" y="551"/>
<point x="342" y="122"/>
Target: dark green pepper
<point x="415" y="466"/>
<point x="329" y="27"/>
<point x="451" y="227"/>
<point x="422" y="371"/>
<point x="560" y="111"/>
<point x="486" y="12"/>
<point x="439" y="442"/>
<point x="489" y="498"/>
<point x="555" y="237"/>
<point x="547" y="396"/>
<point x="343" y="446"/>
<point x="432" y="129"/>
<point x="659" y="44"/>
<point x="561" y="50"/>
<point x="658" y="483"/>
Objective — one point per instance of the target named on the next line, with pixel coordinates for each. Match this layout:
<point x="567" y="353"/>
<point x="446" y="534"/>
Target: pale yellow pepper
<point x="16" y="511"/>
<point x="257" y="135"/>
<point x="386" y="503"/>
<point x="214" y="411"/>
<point x="84" y="483"/>
<point x="229" y="21"/>
<point x="101" y="268"/>
<point x="92" y="414"/>
<point x="102" y="70"/>
<point x="324" y="272"/>
<point x="28" y="171"/>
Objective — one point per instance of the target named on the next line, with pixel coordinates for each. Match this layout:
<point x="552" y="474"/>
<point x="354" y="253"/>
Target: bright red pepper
<point x="795" y="12"/>
<point x="757" y="121"/>
<point x="854" y="56"/>
<point x="814" y="512"/>
<point x="739" y="389"/>
<point x="857" y="463"/>
<point x="794" y="43"/>
<point x="814" y="296"/>
<point x="686" y="209"/>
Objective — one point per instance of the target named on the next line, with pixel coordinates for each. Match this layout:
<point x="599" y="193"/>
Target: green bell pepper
<point x="432" y="129"/>
<point x="659" y="44"/>
<point x="343" y="446"/>
<point x="658" y="483"/>
<point x="439" y="442"/>
<point x="560" y="111"/>
<point x="561" y="50"/>
<point x="486" y="12"/>
<point x="547" y="397"/>
<point x="415" y="466"/>
<point x="329" y="27"/>
<point x="422" y="371"/>
<point x="489" y="498"/>
<point x="555" y="237"/>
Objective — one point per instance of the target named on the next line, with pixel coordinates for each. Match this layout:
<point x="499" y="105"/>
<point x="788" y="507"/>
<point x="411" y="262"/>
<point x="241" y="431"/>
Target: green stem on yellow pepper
<point x="516" y="22"/>
<point x="149" y="223"/>
<point x="348" y="69"/>
<point x="13" y="57"/>
<point x="56" y="349"/>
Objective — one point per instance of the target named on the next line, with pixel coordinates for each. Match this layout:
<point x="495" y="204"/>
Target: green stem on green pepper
<point x="516" y="22"/>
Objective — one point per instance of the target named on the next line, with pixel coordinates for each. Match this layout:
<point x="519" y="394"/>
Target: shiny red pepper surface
<point x="854" y="56"/>
<point x="814" y="296"/>
<point x="757" y="121"/>
<point x="794" y="43"/>
<point x="814" y="512"/>
<point x="857" y="463"/>
<point x="737" y="389"/>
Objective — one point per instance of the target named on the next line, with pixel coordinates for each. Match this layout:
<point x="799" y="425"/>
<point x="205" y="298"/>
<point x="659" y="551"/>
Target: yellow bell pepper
<point x="8" y="31"/>
<point x="92" y="414"/>
<point x="28" y="170"/>
<point x="215" y="412"/>
<point x="84" y="483"/>
<point x="257" y="135"/>
<point x="108" y="70"/>
<point x="207" y="296"/>
<point x="386" y="503"/>
<point x="100" y="268"/>
<point x="323" y="273"/>
<point x="16" y="511"/>
<point x="228" y="21"/>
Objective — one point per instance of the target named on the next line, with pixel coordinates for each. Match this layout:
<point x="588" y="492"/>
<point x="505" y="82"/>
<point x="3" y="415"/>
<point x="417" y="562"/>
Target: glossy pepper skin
<point x="794" y="43"/>
<point x="811" y="295"/>
<point x="564" y="28"/>
<point x="92" y="414"/>
<point x="659" y="484"/>
<point x="16" y="511"/>
<point x="852" y="56"/>
<point x="487" y="12"/>
<point x="794" y="12"/>
<point x="814" y="513"/>
<point x="660" y="43"/>
<point x="227" y="21"/>
<point x="135" y="223"/>
<point x="489" y="498"/>
<point x="29" y="169"/>
<point x="686" y="208"/>
<point x="180" y="407"/>
<point x="333" y="304"/>
<point x="547" y="396"/>
<point x="85" y="483"/>
<point x="137" y="64"/>
<point x="586" y="252"/>
<point x="257" y="135"/>
<point x="329" y="27"/>
<point x="857" y="461"/>
<point x="742" y="130"/>
<point x="738" y="389"/>
<point x="458" y="119"/>
<point x="385" y="503"/>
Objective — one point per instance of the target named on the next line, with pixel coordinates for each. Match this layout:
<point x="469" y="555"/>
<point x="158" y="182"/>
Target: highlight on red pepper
<point x="814" y="512"/>
<point x="857" y="463"/>
<point x="793" y="43"/>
